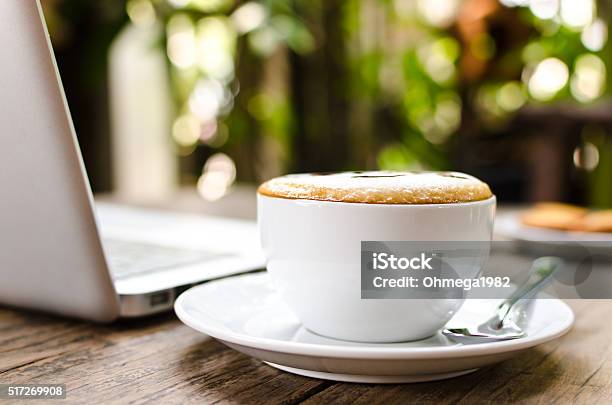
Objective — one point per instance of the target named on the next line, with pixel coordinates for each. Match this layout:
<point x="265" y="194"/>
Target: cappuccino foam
<point x="379" y="187"/>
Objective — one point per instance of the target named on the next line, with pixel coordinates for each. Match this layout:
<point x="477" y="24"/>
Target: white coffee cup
<point x="313" y="256"/>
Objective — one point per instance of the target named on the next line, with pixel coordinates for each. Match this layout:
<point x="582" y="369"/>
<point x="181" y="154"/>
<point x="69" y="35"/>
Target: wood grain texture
<point x="162" y="361"/>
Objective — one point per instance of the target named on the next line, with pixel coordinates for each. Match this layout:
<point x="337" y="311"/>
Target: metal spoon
<point x="503" y="326"/>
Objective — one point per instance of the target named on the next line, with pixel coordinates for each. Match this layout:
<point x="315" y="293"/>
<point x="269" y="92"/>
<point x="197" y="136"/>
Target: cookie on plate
<point x="553" y="215"/>
<point x="596" y="221"/>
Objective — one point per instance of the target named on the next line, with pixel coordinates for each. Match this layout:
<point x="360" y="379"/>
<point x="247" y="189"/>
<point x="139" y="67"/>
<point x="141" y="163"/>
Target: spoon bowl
<point x="504" y="325"/>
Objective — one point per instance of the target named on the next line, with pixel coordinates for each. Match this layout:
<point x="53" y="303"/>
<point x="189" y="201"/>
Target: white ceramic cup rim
<point x="397" y="205"/>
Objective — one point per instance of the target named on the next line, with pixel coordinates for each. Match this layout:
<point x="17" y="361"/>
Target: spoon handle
<point x="542" y="270"/>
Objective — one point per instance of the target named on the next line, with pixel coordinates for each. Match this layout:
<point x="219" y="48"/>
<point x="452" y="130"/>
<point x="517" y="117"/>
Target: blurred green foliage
<point x="296" y="85"/>
<point x="415" y="72"/>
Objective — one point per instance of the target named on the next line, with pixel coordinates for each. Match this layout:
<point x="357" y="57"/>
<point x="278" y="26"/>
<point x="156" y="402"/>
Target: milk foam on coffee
<point x="379" y="187"/>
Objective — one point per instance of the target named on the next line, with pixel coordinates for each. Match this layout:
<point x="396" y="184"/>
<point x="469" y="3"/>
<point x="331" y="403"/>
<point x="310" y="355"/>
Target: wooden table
<point x="160" y="360"/>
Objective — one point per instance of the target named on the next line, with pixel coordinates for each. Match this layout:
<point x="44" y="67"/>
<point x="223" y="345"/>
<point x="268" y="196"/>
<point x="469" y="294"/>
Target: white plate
<point x="509" y="226"/>
<point x="246" y="314"/>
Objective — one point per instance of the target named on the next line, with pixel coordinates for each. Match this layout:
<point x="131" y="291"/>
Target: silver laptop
<point x="59" y="253"/>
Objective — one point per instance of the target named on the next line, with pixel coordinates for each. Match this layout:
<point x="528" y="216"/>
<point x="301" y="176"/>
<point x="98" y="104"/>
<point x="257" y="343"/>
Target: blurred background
<point x="207" y="94"/>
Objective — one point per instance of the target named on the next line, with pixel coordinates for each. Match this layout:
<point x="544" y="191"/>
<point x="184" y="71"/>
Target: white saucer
<point x="246" y="314"/>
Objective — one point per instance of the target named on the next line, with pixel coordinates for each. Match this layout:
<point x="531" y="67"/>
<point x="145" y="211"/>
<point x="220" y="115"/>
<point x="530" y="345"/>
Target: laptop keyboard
<point x="128" y="258"/>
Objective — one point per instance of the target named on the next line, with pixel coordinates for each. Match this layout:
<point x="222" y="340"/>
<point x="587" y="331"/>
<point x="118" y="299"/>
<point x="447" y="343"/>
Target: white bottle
<point x="144" y="163"/>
